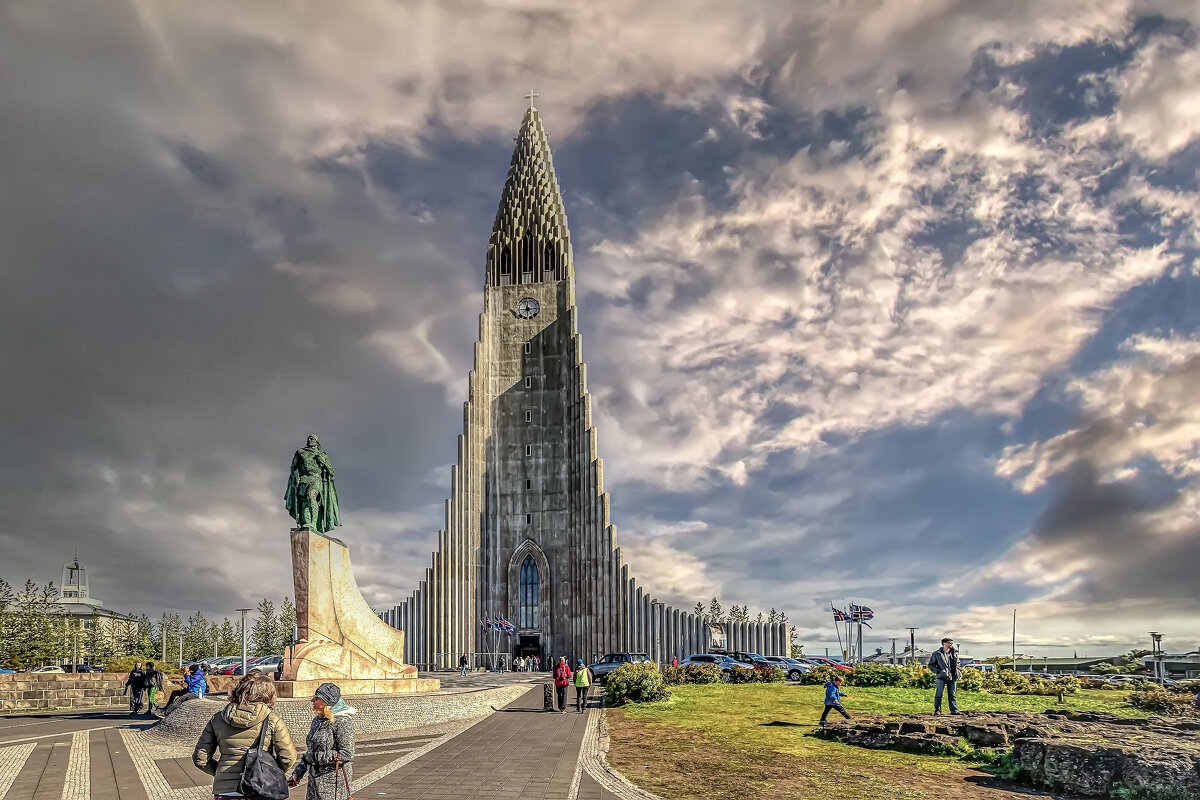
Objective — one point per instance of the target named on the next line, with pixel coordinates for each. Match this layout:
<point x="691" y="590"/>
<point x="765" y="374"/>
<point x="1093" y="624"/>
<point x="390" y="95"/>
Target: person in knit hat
<point x="330" y="743"/>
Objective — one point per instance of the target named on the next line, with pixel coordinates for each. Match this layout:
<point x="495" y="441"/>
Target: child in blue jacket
<point x="833" y="699"/>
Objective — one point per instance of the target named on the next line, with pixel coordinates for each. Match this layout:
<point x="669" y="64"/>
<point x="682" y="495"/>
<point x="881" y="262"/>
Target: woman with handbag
<point x="247" y="723"/>
<point x="330" y="744"/>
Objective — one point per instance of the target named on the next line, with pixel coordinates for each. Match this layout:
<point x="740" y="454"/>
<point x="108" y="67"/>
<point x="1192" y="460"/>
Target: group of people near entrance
<point x="945" y="666"/>
<point x="249" y="722"/>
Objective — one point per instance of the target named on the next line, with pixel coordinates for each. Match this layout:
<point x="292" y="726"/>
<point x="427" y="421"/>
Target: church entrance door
<point x="528" y="646"/>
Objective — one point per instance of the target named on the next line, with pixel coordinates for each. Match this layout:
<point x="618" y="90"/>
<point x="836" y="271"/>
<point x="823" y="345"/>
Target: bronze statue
<point x="311" y="497"/>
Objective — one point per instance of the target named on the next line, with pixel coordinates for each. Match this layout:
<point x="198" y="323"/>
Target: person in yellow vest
<point x="583" y="681"/>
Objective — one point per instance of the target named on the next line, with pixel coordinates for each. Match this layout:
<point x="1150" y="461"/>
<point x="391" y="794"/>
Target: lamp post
<point x="243" y="612"/>
<point x="1156" y="655"/>
<point x="912" y="644"/>
<point x="181" y="650"/>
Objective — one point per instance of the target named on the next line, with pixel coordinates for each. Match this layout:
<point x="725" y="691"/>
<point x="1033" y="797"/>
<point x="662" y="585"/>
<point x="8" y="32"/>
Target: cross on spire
<point x="532" y="94"/>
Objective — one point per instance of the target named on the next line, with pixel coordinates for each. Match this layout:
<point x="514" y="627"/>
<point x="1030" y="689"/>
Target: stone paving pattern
<point x="517" y="752"/>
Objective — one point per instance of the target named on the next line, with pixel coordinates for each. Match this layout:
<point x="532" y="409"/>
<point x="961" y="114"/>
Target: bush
<point x="634" y="683"/>
<point x="971" y="680"/>
<point x="921" y="678"/>
<point x="877" y="675"/>
<point x="703" y="673"/>
<point x="818" y="676"/>
<point x="674" y="676"/>
<point x="1158" y="701"/>
<point x="769" y="675"/>
<point x="742" y="675"/>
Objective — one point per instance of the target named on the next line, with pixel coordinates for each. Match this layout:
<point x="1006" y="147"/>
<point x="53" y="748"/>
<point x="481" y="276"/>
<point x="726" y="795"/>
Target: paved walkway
<point x="516" y="753"/>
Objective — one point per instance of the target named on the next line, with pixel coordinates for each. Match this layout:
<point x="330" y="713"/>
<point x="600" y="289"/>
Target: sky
<point x="890" y="303"/>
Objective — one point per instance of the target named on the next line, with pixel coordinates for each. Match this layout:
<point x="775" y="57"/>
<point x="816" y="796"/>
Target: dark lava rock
<point x="1086" y="753"/>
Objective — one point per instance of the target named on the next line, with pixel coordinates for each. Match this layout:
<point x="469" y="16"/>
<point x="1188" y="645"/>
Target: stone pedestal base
<point x="341" y="640"/>
<point x="359" y="686"/>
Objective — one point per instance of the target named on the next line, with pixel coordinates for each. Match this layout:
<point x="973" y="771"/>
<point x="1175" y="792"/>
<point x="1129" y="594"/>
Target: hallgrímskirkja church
<point x="528" y="536"/>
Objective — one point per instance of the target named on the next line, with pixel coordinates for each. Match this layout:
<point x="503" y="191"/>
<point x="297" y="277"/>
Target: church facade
<point x="528" y="535"/>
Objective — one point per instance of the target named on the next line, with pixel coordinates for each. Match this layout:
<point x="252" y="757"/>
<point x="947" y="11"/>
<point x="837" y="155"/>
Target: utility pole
<point x="243" y="612"/>
<point x="912" y="644"/>
<point x="893" y="651"/>
<point x="181" y="649"/>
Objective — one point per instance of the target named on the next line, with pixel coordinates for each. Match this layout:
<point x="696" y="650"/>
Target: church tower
<point x="527" y="534"/>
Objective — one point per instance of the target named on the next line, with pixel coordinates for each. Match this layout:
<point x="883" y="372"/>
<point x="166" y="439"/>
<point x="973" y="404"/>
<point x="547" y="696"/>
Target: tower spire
<point x="530" y="241"/>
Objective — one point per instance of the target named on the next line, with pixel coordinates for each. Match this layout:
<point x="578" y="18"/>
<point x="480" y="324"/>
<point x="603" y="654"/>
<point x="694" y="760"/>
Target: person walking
<point x="945" y="665"/>
<point x="833" y="699"/>
<point x="135" y="684"/>
<point x="154" y="684"/>
<point x="330" y="743"/>
<point x="462" y="665"/>
<point x="674" y="661"/>
<point x="229" y="735"/>
<point x="562" y="679"/>
<point x="583" y="682"/>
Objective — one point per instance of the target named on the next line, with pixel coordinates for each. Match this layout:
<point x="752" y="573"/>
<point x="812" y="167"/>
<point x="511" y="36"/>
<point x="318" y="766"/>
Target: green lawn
<point x="720" y="741"/>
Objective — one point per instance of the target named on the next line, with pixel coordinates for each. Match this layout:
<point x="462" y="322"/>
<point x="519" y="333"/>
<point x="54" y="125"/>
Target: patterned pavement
<point x="518" y="752"/>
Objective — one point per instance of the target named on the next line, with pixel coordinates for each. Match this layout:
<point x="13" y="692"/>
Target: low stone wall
<point x="376" y="714"/>
<point x="25" y="691"/>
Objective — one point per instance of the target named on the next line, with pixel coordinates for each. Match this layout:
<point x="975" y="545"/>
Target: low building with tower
<point x="92" y="620"/>
<point x="528" y="536"/>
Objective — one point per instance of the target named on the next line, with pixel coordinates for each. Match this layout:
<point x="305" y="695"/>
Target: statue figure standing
<point x="311" y="497"/>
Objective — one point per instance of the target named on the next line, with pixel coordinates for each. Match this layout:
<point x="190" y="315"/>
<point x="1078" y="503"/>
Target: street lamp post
<point x="243" y="612"/>
<point x="1156" y="655"/>
<point x="912" y="644"/>
<point x="181" y="650"/>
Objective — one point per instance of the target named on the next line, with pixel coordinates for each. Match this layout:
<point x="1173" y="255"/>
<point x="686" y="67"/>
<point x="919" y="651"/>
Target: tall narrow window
<point x="529" y="519"/>
<point x="505" y="261"/>
<point x="528" y="449"/>
<point x="528" y="382"/>
<point x="529" y="593"/>
<point x="528" y="483"/>
<point x="528" y="348"/>
<point x="529" y="416"/>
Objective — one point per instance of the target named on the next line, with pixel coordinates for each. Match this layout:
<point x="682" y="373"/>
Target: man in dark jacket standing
<point x="944" y="664"/>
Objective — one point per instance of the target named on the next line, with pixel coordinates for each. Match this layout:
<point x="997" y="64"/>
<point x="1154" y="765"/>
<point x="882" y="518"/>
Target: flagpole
<point x="836" y="629"/>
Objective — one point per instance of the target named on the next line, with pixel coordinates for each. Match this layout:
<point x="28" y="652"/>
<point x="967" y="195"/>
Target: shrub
<point x="971" y="680"/>
<point x="877" y="675"/>
<point x="703" y="673"/>
<point x="1067" y="684"/>
<point x="818" y="676"/>
<point x="769" y="675"/>
<point x="1160" y="702"/>
<point x="922" y="678"/>
<point x="742" y="675"/>
<point x="634" y="683"/>
<point x="674" y="676"/>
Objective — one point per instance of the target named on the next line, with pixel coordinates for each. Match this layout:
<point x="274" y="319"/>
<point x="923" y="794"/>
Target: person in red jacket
<point x="562" y="679"/>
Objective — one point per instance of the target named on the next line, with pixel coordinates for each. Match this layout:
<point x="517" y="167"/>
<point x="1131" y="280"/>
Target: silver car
<point x="791" y="666"/>
<point x="612" y="661"/>
<point x="723" y="661"/>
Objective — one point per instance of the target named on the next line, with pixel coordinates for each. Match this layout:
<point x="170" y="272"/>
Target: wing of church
<point x="528" y="537"/>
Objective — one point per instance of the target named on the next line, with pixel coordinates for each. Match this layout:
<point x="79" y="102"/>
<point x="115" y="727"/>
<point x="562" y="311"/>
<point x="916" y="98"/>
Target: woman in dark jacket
<point x="221" y="750"/>
<point x="330" y="744"/>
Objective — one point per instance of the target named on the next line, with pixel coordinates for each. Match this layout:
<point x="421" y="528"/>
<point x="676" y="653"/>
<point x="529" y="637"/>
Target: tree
<point x="771" y="617"/>
<point x="739" y="614"/>
<point x="287" y="622"/>
<point x="32" y="632"/>
<point x="699" y="609"/>
<point x="229" y="641"/>
<point x="715" y="610"/>
<point x="759" y="619"/>
<point x="170" y="625"/>
<point x="196" y="644"/>
<point x="265" y="633"/>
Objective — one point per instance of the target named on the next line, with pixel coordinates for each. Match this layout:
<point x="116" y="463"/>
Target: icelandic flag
<point x="505" y="625"/>
<point x="838" y="616"/>
<point x="861" y="613"/>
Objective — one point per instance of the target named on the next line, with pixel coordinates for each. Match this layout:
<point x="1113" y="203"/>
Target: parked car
<point x="47" y="669"/>
<point x="749" y="659"/>
<point x="792" y="666"/>
<point x="267" y="665"/>
<point x="88" y="668"/>
<point x="614" y="660"/>
<point x="1117" y="680"/>
<point x="819" y="661"/>
<point x="8" y="671"/>
<point x="723" y="661"/>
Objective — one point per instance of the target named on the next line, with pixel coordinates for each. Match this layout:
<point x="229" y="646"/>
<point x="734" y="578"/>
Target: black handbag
<point x="262" y="779"/>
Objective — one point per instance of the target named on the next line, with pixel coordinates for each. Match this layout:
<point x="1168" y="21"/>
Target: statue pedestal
<point x="340" y="639"/>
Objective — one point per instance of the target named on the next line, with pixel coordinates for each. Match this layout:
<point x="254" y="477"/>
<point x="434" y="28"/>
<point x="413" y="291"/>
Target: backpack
<point x="262" y="779"/>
